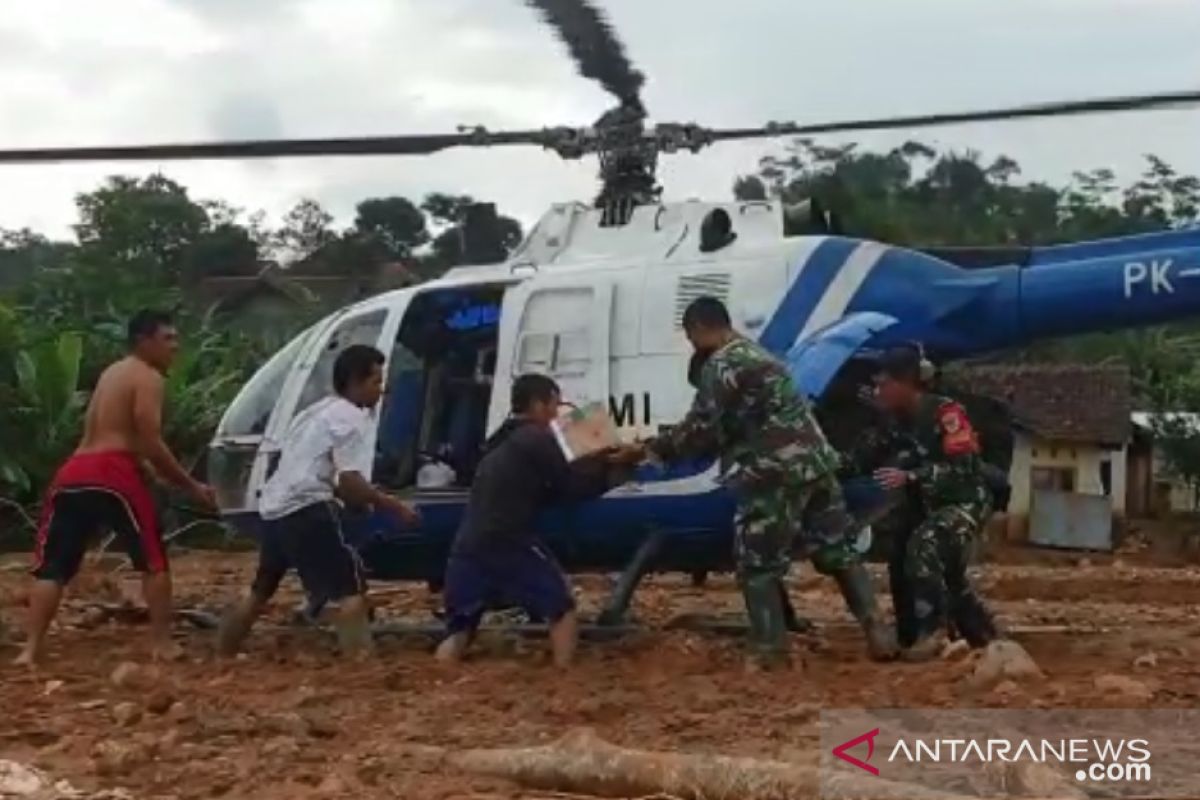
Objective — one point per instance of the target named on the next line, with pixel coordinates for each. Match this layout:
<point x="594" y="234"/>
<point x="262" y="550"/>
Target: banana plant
<point x="40" y="407"/>
<point x="201" y="383"/>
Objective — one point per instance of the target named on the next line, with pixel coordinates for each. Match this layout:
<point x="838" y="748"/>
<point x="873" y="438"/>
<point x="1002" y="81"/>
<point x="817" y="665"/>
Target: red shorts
<point x="93" y="492"/>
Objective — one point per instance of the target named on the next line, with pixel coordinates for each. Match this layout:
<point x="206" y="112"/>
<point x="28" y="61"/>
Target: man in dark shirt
<point x="497" y="560"/>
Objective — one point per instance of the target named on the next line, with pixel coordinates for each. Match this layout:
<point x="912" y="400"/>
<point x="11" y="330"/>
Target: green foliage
<point x="41" y="402"/>
<point x="915" y="195"/>
<point x="450" y="246"/>
<point x="143" y="227"/>
<point x="1177" y="441"/>
<point x="397" y="224"/>
<point x="306" y="229"/>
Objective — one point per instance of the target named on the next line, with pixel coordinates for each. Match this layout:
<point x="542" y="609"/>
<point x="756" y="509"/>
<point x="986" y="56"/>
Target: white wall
<point x="1030" y="452"/>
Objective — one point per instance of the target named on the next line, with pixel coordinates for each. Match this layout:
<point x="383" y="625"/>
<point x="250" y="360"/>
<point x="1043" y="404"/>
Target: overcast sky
<point x="76" y="72"/>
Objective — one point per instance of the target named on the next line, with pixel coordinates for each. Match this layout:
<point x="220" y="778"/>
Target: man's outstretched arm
<point x="147" y="423"/>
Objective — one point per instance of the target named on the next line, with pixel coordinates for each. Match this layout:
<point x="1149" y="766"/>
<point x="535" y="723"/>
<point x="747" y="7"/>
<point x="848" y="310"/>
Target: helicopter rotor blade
<point x="421" y="144"/>
<point x="1150" y="102"/>
<point x="598" y="54"/>
<point x="574" y="142"/>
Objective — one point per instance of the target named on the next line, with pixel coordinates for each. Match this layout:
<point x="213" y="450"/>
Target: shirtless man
<point x="102" y="486"/>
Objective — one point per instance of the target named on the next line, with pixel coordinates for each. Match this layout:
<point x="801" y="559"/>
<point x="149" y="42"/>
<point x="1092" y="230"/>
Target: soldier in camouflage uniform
<point x="777" y="462"/>
<point x="881" y="445"/>
<point x="792" y="621"/>
<point x="955" y="498"/>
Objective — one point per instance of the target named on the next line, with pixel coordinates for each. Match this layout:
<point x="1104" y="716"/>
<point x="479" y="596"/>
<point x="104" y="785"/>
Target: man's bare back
<point x="110" y="421"/>
<point x="122" y="426"/>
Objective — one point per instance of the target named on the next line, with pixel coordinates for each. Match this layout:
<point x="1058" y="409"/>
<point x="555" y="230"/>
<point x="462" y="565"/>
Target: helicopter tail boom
<point x="1125" y="289"/>
<point x="957" y="313"/>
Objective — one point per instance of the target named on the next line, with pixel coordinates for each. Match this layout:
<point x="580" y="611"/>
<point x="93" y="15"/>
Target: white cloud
<point x="129" y="71"/>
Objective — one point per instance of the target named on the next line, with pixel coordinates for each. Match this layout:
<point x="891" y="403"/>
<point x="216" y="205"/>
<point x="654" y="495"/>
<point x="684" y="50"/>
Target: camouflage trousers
<point x="807" y="519"/>
<point x="936" y="557"/>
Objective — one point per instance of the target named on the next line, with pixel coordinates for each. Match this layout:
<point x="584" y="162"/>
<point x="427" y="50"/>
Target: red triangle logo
<point x="869" y="738"/>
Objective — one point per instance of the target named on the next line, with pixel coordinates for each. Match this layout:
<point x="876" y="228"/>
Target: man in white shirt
<point x="327" y="457"/>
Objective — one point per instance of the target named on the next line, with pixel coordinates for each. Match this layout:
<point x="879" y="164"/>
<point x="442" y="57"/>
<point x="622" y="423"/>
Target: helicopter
<point x="594" y="296"/>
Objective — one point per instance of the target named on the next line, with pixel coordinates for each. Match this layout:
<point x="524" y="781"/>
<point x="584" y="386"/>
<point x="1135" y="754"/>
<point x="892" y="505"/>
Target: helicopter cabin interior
<point x="433" y="418"/>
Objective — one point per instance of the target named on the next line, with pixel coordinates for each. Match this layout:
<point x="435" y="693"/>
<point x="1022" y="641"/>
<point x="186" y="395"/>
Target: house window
<point x="1054" y="479"/>
<point x="1106" y="477"/>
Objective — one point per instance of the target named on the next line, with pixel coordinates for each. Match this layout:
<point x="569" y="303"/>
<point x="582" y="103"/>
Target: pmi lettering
<point x="624" y="411"/>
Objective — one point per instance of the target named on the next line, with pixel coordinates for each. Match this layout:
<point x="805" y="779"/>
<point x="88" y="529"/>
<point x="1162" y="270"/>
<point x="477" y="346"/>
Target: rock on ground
<point x="1003" y="660"/>
<point x="20" y="781"/>
<point x="1124" y="686"/>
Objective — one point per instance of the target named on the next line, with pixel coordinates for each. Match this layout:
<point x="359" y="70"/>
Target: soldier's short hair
<point x="902" y="364"/>
<point x="706" y="312"/>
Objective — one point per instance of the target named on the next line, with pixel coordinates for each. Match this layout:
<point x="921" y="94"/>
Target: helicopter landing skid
<point x="631" y="577"/>
<point x="730" y="624"/>
<point x="528" y="630"/>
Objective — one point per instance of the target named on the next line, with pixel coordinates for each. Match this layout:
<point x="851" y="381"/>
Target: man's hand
<point x="402" y="511"/>
<point x="892" y="478"/>
<point x="626" y="454"/>
<point x="204" y="495"/>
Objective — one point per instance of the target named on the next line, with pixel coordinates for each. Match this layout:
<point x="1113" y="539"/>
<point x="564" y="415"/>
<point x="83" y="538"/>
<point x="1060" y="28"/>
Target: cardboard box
<point x="582" y="431"/>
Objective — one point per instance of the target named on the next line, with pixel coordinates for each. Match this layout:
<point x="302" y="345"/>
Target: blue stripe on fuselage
<point x="810" y="284"/>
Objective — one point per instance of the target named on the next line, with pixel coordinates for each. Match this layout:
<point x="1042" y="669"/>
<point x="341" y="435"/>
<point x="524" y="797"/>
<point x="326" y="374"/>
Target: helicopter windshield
<point x="250" y="411"/>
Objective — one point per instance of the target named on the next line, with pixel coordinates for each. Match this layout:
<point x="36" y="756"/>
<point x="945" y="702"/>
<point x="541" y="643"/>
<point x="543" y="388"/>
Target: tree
<point x="23" y="254"/>
<point x="916" y="195"/>
<point x="226" y="249"/>
<point x="145" y="226"/>
<point x="491" y="239"/>
<point x="397" y="224"/>
<point x="306" y="229"/>
<point x="1177" y="442"/>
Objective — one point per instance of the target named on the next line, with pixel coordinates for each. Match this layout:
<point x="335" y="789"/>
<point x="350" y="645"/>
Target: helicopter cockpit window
<point x="560" y="355"/>
<point x="251" y="409"/>
<point x="360" y="329"/>
<point x="573" y="355"/>
<point x="535" y="353"/>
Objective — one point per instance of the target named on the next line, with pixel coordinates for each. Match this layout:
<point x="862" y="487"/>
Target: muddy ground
<point x="289" y="720"/>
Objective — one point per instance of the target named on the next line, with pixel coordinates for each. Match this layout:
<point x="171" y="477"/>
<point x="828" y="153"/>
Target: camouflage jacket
<point x="748" y="412"/>
<point x="949" y="468"/>
<point x="880" y="444"/>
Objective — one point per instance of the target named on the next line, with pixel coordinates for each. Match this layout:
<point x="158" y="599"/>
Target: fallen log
<point x="582" y="762"/>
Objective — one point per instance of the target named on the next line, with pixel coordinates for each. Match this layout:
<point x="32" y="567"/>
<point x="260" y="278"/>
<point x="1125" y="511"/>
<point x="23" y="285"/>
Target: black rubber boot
<point x="930" y="615"/>
<point x="859" y="594"/>
<point x="973" y="621"/>
<point x="768" y="634"/>
<point x="902" y="597"/>
<point x="791" y="620"/>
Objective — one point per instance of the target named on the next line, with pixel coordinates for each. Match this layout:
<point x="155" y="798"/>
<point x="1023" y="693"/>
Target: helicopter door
<point x="312" y="379"/>
<point x="560" y="328"/>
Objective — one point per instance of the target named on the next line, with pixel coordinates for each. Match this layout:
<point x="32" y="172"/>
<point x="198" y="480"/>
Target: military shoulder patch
<point x="958" y="437"/>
